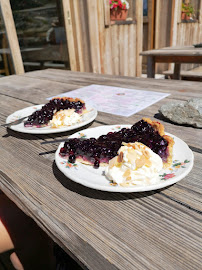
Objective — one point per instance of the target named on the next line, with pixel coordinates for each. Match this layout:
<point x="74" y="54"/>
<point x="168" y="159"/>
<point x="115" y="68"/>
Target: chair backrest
<point x="12" y="36"/>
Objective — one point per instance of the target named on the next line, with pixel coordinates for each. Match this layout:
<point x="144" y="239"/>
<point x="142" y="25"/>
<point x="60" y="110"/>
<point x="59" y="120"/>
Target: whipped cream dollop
<point x="136" y="164"/>
<point x="65" y="118"/>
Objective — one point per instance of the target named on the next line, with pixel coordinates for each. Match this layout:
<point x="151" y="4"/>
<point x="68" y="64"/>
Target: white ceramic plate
<point x="86" y="119"/>
<point x="94" y="178"/>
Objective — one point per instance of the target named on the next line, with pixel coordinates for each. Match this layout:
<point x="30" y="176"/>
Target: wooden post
<point x="78" y="33"/>
<point x="151" y="23"/>
<point x="176" y="74"/>
<point x="115" y="49"/>
<point x="70" y="34"/>
<point x="139" y="34"/>
<point x="12" y="36"/>
<point x="131" y="50"/>
<point x="107" y="13"/>
<point x="85" y="35"/>
<point x="150" y="67"/>
<point x="157" y="23"/>
<point x="94" y="35"/>
<point x="176" y="18"/>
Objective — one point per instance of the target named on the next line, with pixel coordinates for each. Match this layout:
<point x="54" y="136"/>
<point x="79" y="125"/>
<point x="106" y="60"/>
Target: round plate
<point x="85" y="119"/>
<point x="94" y="178"/>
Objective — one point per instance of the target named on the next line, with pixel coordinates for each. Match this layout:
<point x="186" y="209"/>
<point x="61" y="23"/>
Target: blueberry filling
<point x="45" y="114"/>
<point x="106" y="146"/>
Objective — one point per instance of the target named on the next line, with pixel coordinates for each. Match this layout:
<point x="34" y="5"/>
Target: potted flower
<point x="187" y="11"/>
<point x="118" y="10"/>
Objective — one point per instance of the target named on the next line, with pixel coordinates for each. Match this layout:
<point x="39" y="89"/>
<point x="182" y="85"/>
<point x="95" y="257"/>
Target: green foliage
<point x="188" y="9"/>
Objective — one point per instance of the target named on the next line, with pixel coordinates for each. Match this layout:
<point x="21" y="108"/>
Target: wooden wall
<point x="97" y="45"/>
<point x="165" y="28"/>
<point x="186" y="34"/>
<point x="163" y="17"/>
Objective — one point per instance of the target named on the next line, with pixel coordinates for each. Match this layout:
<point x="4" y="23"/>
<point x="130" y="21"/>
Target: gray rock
<point x="184" y="112"/>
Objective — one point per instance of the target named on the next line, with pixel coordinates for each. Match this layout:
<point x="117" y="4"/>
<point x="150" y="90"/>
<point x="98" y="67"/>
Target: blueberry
<point x="96" y="164"/>
<point x="72" y="158"/>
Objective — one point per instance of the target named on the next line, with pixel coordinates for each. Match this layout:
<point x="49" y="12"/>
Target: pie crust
<point x="160" y="128"/>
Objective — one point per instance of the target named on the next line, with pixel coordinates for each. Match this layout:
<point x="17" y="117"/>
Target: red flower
<point x="114" y="4"/>
<point x="169" y="175"/>
<point x="120" y="4"/>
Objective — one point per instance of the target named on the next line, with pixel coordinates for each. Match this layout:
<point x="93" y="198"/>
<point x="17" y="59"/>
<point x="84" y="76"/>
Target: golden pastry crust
<point x="70" y="99"/>
<point x="156" y="125"/>
<point x="102" y="164"/>
<point x="160" y="128"/>
<point x="73" y="100"/>
<point x="171" y="142"/>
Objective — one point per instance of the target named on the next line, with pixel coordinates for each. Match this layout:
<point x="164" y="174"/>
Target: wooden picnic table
<point x="101" y="230"/>
<point x="177" y="55"/>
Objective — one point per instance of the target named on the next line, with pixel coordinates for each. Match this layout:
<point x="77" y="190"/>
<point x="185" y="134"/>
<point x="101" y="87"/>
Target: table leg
<point x="150" y="67"/>
<point x="176" y="74"/>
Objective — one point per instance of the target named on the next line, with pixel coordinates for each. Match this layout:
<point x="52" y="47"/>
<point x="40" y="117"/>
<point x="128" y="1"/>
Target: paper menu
<point x="116" y="100"/>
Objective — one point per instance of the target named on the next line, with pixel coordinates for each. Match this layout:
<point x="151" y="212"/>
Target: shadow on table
<point x="27" y="136"/>
<point x="160" y="117"/>
<point x="97" y="194"/>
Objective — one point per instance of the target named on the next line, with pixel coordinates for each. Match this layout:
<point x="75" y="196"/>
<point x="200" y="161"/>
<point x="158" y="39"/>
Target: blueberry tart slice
<point x="98" y="152"/>
<point x="57" y="108"/>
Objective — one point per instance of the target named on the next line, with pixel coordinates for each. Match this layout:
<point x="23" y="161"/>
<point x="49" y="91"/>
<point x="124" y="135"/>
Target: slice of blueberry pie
<point x="57" y="112"/>
<point x="98" y="152"/>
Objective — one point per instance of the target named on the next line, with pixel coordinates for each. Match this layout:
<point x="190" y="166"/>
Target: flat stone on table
<point x="184" y="112"/>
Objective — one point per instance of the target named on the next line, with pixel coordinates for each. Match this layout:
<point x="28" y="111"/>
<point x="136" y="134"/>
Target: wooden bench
<point x="192" y="75"/>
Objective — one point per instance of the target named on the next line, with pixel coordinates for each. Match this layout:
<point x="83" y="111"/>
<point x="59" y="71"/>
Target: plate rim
<point x="120" y="189"/>
<point x="51" y="131"/>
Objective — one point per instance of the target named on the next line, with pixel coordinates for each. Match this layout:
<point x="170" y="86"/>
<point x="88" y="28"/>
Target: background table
<point x="149" y="230"/>
<point x="177" y="55"/>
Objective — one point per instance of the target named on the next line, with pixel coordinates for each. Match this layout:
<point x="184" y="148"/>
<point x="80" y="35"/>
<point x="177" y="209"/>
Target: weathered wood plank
<point x="20" y="85"/>
<point x="131" y="50"/>
<point x="70" y="33"/>
<point x="106" y="13"/>
<point x="139" y="33"/>
<point x="85" y="35"/>
<point x="177" y="50"/>
<point x="94" y="35"/>
<point x="184" y="88"/>
<point x="115" y="50"/>
<point x="157" y="229"/>
<point x="78" y="33"/>
<point x="178" y="59"/>
<point x="167" y="214"/>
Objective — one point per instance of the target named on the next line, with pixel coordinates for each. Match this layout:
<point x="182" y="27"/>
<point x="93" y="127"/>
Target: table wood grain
<point x="100" y="230"/>
<point x="176" y="50"/>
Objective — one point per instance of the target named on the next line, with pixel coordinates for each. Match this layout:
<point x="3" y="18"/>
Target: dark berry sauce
<point x="45" y="114"/>
<point x="106" y="146"/>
